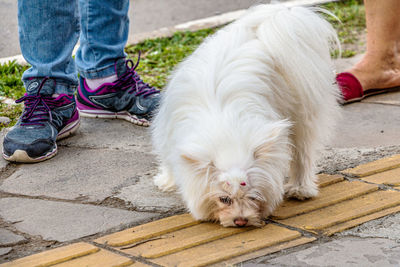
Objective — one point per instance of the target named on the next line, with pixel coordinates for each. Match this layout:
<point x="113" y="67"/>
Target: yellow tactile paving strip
<point x="55" y="256"/>
<point x="344" y="211"/>
<point x="377" y="166"/>
<point x="390" y="177"/>
<point x="328" y="196"/>
<point x="181" y="241"/>
<point x="147" y="231"/>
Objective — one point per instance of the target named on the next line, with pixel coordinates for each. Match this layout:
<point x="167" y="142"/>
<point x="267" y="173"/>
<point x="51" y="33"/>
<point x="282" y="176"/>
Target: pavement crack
<point x="72" y="201"/>
<point x="7" y="171"/>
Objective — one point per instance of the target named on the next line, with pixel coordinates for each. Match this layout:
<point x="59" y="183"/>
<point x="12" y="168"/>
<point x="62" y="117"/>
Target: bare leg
<point x="380" y="66"/>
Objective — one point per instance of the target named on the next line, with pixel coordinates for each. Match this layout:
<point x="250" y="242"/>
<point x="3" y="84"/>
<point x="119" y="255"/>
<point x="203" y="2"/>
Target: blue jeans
<point x="49" y="30"/>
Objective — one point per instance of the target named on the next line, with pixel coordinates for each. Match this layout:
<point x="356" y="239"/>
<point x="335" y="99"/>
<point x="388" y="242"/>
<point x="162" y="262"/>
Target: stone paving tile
<point x="386" y="99"/>
<point x="265" y="251"/>
<point x="71" y="175"/>
<point x="4" y="251"/>
<point x="8" y="238"/>
<point x="327" y="196"/>
<point x="119" y="135"/>
<point x="369" y="252"/>
<point x="385" y="227"/>
<point x="150" y="198"/>
<point x="374" y="167"/>
<point x="365" y="125"/>
<point x="321" y="219"/>
<point x="181" y="241"/>
<point x="65" y="221"/>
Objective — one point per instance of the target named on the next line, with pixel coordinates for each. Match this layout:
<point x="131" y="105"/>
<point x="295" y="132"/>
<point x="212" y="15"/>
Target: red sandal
<point x="352" y="90"/>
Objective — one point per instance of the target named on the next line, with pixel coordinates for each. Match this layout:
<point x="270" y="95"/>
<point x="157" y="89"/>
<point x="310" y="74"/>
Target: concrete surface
<point x="63" y="221"/>
<point x="4" y="251"/>
<point x="80" y="174"/>
<point x="8" y="238"/>
<point x="342" y="252"/>
<point x="388" y="227"/>
<point x="101" y="179"/>
<point x="377" y="125"/>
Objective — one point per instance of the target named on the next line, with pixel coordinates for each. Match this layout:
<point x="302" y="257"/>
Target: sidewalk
<point x="100" y="183"/>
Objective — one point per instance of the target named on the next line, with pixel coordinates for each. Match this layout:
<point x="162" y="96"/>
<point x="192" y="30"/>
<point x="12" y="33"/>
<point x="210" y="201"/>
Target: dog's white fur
<point x="250" y="106"/>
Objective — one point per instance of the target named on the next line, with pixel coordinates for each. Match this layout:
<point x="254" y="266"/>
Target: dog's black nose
<point x="240" y="222"/>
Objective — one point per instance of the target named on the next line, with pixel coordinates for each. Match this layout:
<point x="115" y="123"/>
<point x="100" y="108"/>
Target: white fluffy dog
<point x="248" y="108"/>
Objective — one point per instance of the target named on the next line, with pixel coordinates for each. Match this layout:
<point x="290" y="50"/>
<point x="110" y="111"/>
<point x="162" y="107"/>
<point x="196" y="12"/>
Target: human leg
<point x="380" y="66"/>
<point x="104" y="32"/>
<point x="48" y="32"/>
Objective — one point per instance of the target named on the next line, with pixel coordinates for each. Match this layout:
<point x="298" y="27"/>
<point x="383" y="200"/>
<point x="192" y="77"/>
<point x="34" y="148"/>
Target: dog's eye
<point x="226" y="200"/>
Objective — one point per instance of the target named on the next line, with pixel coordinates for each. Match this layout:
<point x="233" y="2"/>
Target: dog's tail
<point x="300" y="41"/>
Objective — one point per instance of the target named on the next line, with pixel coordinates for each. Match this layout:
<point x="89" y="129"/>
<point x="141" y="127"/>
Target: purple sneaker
<point x="45" y="119"/>
<point x="127" y="98"/>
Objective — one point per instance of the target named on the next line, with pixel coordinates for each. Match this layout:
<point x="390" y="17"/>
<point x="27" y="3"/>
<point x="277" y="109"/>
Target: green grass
<point x="160" y="56"/>
<point x="351" y="14"/>
<point x="351" y="24"/>
<point x="10" y="80"/>
<point x="12" y="112"/>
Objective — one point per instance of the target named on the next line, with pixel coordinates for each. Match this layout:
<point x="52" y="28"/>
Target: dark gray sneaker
<point x="45" y="119"/>
<point x="127" y="98"/>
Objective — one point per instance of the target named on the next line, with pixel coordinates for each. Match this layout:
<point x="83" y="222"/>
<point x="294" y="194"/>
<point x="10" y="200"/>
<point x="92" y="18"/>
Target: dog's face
<point x="239" y="187"/>
<point x="236" y="204"/>
<point x="236" y="200"/>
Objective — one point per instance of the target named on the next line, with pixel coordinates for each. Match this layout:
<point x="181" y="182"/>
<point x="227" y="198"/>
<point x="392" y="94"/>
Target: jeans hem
<point x="103" y="72"/>
<point x="61" y="86"/>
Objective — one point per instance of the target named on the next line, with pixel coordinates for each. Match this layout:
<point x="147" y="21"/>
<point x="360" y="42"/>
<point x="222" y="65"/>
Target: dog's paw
<point x="300" y="192"/>
<point x="164" y="182"/>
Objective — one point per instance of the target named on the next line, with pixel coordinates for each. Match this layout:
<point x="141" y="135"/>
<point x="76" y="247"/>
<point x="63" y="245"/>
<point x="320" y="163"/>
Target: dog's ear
<point x="277" y="135"/>
<point x="190" y="159"/>
<point x="197" y="163"/>
<point x="262" y="150"/>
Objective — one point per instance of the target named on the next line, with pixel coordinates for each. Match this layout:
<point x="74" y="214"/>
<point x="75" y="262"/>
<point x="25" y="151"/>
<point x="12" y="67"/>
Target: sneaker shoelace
<point x="131" y="81"/>
<point x="37" y="107"/>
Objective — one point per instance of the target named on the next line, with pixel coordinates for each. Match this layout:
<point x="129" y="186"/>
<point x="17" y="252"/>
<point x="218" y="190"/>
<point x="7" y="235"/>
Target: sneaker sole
<point x="114" y="115"/>
<point x="22" y="157"/>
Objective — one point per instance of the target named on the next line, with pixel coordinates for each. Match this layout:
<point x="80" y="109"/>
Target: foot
<point x="164" y="182"/>
<point x="300" y="192"/>
<point x="45" y="119"/>
<point x="127" y="98"/>
<point x="377" y="73"/>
